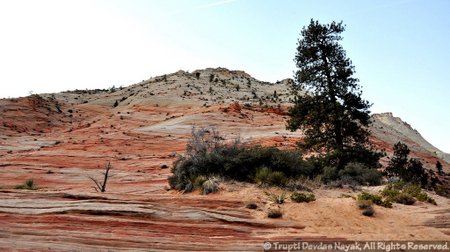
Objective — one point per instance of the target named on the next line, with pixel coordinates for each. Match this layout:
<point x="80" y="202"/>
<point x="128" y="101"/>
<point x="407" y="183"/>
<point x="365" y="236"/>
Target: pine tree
<point x="409" y="170"/>
<point x="399" y="161"/>
<point x="332" y="114"/>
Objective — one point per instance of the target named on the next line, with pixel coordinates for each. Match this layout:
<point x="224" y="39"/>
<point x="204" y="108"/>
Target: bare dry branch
<point x="102" y="187"/>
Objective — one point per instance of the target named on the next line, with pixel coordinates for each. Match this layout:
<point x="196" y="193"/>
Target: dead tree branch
<point x="102" y="187"/>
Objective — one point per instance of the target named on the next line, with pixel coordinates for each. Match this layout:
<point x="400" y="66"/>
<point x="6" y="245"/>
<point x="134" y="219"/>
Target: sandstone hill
<point x="60" y="140"/>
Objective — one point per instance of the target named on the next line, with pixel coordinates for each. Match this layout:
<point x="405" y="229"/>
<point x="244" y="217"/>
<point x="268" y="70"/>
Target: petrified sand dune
<point x="60" y="140"/>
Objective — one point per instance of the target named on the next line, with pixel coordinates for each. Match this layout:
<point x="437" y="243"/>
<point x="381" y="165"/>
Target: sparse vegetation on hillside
<point x="406" y="193"/>
<point x="209" y="155"/>
<point x="401" y="193"/>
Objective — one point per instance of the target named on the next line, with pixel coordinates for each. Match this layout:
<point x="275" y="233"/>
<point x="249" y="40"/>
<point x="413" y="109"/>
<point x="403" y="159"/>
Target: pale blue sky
<point x="400" y="48"/>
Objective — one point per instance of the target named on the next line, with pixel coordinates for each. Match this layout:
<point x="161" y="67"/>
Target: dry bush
<point x="274" y="213"/>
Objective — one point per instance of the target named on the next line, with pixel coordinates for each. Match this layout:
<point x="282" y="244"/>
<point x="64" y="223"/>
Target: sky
<point x="400" y="48"/>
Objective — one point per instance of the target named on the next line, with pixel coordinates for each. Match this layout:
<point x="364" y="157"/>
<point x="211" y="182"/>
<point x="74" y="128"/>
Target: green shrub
<point x="346" y="180"/>
<point x="174" y="182"/>
<point x="390" y="193"/>
<point x="182" y="172"/>
<point x="405" y="199"/>
<point x="208" y="155"/>
<point x="431" y="201"/>
<point x="329" y="174"/>
<point x="376" y="199"/>
<point x="277" y="178"/>
<point x="274" y="213"/>
<point x="303" y="197"/>
<point x="298" y="185"/>
<point x="28" y="185"/>
<point x="362" y="174"/>
<point x="199" y="180"/>
<point x="412" y="189"/>
<point x="352" y="174"/>
<point x="387" y="203"/>
<point x="397" y="186"/>
<point x="189" y="187"/>
<point x="290" y="162"/>
<point x="423" y="197"/>
<point x="262" y="175"/>
<point x="416" y="191"/>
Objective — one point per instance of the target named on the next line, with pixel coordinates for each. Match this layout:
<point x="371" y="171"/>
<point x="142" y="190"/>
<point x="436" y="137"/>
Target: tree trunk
<point x="337" y="125"/>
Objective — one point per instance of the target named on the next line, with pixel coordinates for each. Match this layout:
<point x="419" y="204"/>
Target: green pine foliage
<point x="409" y="170"/>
